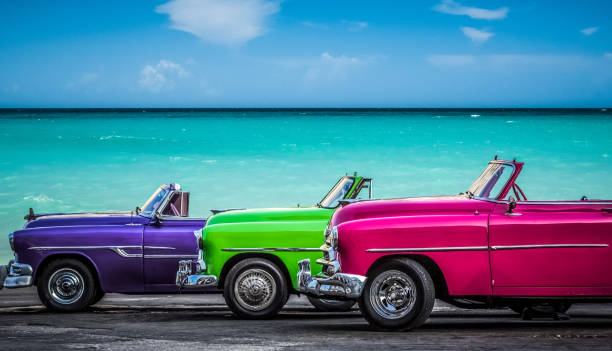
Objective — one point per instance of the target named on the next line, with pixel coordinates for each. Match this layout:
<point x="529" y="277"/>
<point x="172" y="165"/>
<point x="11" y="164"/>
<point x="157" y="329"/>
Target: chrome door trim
<point x="544" y="246"/>
<point x="120" y="250"/>
<point x="432" y="249"/>
<point x="269" y="249"/>
<point x="159" y="248"/>
<point x="171" y="256"/>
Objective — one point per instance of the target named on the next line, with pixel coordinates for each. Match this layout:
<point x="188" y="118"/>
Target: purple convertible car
<point x="74" y="259"/>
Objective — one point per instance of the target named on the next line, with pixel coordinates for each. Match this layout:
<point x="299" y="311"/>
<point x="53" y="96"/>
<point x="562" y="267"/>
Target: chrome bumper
<point x="340" y="286"/>
<point x="187" y="277"/>
<point x="15" y="275"/>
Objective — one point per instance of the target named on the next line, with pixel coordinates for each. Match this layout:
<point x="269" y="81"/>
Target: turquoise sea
<point x="65" y="161"/>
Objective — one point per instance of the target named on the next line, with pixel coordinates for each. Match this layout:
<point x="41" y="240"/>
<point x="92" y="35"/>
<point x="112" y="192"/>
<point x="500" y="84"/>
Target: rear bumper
<point x="16" y="275"/>
<point x="340" y="286"/>
<point x="189" y="276"/>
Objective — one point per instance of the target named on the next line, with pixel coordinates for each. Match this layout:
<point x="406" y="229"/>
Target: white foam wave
<point x="42" y="198"/>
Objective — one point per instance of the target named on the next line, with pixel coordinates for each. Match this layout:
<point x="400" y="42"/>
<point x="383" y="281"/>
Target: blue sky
<point x="292" y="53"/>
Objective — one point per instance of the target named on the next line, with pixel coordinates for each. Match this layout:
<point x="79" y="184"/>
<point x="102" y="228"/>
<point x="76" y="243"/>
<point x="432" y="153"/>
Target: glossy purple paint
<point x="130" y="253"/>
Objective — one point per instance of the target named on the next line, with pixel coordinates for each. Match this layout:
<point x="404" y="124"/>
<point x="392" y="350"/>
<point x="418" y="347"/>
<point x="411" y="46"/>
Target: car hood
<point x="74" y="219"/>
<point x="432" y="205"/>
<point x="271" y="215"/>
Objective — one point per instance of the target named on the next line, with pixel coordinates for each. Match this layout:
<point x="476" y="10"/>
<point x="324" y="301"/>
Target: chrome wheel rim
<point x="66" y="286"/>
<point x="255" y="289"/>
<point x="393" y="294"/>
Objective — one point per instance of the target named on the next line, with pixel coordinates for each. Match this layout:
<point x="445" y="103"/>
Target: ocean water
<point x="99" y="161"/>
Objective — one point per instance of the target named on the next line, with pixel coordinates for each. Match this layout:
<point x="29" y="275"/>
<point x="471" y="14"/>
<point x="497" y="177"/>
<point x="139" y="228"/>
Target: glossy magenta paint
<point x="482" y="251"/>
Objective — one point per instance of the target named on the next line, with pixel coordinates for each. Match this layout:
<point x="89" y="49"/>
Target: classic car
<point x="487" y="247"/>
<point x="252" y="254"/>
<point x="73" y="259"/>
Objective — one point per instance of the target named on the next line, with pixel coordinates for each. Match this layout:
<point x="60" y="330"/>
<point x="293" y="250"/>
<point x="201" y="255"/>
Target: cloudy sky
<point x="305" y="53"/>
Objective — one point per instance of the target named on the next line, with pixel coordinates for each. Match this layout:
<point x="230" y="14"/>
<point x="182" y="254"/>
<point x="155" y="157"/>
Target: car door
<point x="551" y="249"/>
<point x="165" y="244"/>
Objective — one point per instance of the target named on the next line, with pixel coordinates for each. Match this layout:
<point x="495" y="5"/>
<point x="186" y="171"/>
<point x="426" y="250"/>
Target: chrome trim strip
<point x="577" y="202"/>
<point x="120" y="250"/>
<point x="158" y="248"/>
<point x="544" y="246"/>
<point x="431" y="249"/>
<point x="282" y="249"/>
<point x="170" y="256"/>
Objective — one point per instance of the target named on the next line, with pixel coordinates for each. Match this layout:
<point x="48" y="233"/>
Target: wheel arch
<point x="242" y="256"/>
<point x="428" y="263"/>
<point x="76" y="256"/>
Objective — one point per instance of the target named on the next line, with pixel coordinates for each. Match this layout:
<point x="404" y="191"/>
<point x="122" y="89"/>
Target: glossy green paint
<point x="301" y="228"/>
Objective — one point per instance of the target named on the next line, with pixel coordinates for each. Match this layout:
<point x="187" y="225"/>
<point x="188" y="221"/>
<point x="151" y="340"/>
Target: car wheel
<point x="398" y="295"/>
<point x="255" y="288"/>
<point x="99" y="295"/>
<point x="66" y="285"/>
<point x="325" y="305"/>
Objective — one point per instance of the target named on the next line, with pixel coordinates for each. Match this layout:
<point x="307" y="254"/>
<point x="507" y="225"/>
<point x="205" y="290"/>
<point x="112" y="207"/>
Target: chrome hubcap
<point x="393" y="294"/>
<point x="255" y="289"/>
<point x="66" y="286"/>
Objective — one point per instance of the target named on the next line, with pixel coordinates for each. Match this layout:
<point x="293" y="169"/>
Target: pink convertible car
<point x="488" y="247"/>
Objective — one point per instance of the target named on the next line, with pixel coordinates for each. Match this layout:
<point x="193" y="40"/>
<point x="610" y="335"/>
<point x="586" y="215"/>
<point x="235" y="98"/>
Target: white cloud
<point x="162" y="76"/>
<point x="589" y="31"/>
<point x="451" y="60"/>
<point x="454" y="8"/>
<point x="503" y="61"/>
<point x="329" y="67"/>
<point x="608" y="55"/>
<point x="314" y="25"/>
<point x="230" y="22"/>
<point x="355" y="25"/>
<point x="476" y="35"/>
<point x="89" y="77"/>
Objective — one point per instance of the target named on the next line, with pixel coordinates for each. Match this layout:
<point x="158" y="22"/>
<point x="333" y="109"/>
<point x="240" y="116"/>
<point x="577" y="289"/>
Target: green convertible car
<point x="253" y="254"/>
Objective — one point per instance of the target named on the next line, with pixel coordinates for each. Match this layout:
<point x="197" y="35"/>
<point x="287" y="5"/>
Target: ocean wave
<point x="209" y="161"/>
<point x="42" y="198"/>
<point x="474" y="116"/>
<point x="130" y="137"/>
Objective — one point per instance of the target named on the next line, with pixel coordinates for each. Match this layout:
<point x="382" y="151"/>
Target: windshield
<point x="149" y="207"/>
<point x="338" y="193"/>
<point x="492" y="181"/>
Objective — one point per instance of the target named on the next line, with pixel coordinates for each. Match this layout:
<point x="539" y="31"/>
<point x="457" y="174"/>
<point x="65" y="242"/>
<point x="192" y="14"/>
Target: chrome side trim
<point x="158" y="248"/>
<point x="270" y="249"/>
<point x="577" y="202"/>
<point x="120" y="250"/>
<point x="170" y="256"/>
<point x="544" y="246"/>
<point x="432" y="249"/>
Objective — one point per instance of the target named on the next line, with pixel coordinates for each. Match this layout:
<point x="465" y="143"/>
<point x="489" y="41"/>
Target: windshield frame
<point x="504" y="189"/>
<point x="150" y="213"/>
<point x="335" y="189"/>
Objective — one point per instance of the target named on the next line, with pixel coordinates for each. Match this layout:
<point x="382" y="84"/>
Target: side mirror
<point x="511" y="205"/>
<point x="157" y="221"/>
